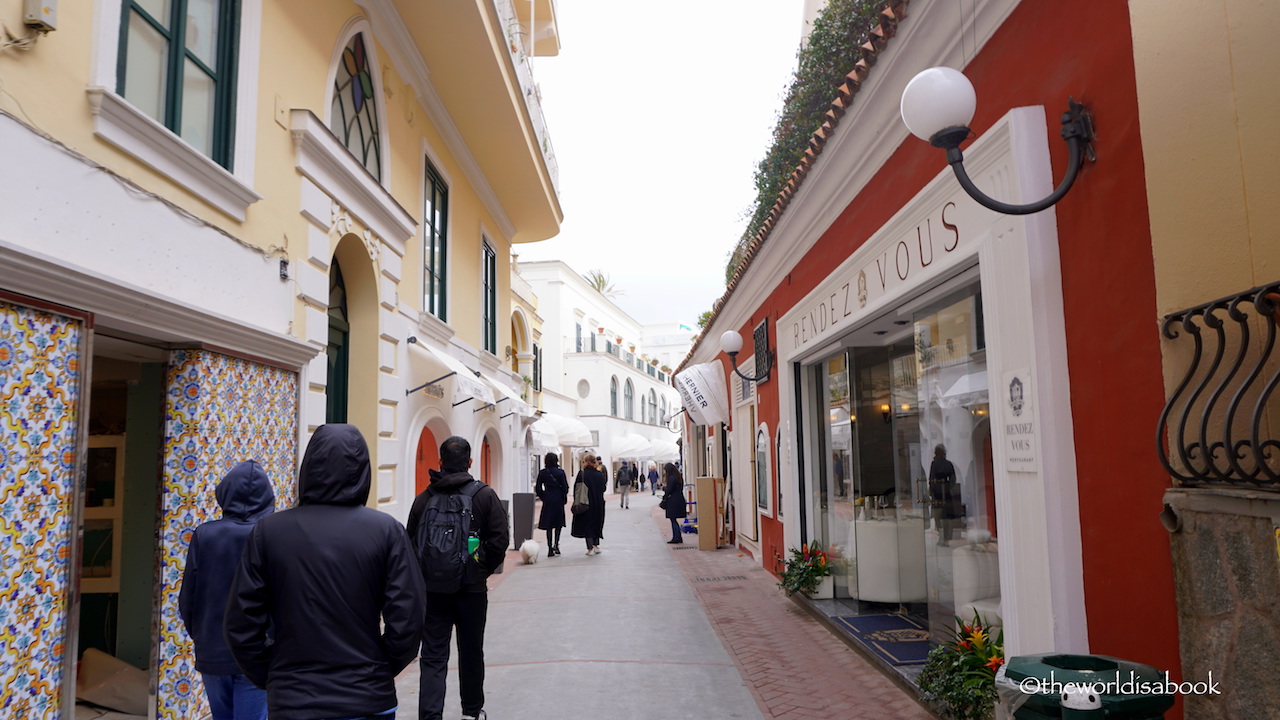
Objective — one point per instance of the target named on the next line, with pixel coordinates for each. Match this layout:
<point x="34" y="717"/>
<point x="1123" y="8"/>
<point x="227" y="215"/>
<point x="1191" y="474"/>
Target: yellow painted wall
<point x="1209" y="108"/>
<point x="45" y="87"/>
<point x="1210" y="116"/>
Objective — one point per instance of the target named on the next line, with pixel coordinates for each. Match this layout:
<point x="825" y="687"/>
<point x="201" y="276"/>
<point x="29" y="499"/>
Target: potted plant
<point x="959" y="675"/>
<point x="805" y="570"/>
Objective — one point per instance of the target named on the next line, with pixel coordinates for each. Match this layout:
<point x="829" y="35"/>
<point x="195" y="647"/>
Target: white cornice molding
<point x="121" y="124"/>
<point x="390" y="30"/>
<point x="863" y="142"/>
<point x="133" y="309"/>
<point x="323" y="160"/>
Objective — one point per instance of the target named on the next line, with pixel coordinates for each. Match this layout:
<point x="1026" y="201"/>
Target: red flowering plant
<point x="805" y="569"/>
<point x="960" y="674"/>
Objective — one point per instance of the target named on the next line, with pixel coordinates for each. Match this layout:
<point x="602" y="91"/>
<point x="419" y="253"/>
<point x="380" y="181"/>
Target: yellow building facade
<point x="236" y="221"/>
<point x="1208" y="119"/>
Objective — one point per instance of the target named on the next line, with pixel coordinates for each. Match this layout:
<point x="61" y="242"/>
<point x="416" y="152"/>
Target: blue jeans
<point x="233" y="697"/>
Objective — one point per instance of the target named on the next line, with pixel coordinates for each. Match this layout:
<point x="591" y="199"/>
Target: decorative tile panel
<point x="40" y="368"/>
<point x="219" y="411"/>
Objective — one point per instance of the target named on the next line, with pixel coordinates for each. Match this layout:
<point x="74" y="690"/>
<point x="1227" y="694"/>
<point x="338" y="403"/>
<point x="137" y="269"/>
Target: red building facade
<point x="904" y="316"/>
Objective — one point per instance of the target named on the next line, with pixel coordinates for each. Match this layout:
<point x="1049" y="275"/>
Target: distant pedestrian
<point x="589" y="524"/>
<point x="673" y="502"/>
<point x="944" y="495"/>
<point x="326" y="607"/>
<point x="463" y="600"/>
<point x="623" y="479"/>
<point x="552" y="488"/>
<point x="653" y="478"/>
<point x="213" y="555"/>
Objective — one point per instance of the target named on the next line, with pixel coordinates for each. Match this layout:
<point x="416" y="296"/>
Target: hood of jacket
<point x="245" y="492"/>
<point x="335" y="469"/>
<point x="449" y="481"/>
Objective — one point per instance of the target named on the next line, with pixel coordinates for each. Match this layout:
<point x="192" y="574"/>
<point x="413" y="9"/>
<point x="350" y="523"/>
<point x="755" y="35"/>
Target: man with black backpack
<point x="458" y="528"/>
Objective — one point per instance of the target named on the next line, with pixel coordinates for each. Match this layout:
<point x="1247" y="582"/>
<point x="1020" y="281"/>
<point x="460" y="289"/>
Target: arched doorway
<point x="486" y="461"/>
<point x="338" y="352"/>
<point x="428" y="459"/>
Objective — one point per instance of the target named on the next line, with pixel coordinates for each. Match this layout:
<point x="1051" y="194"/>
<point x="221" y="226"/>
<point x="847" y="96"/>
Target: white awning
<point x="665" y="451"/>
<point x="433" y="368"/>
<point x="630" y="447"/>
<point x="570" y="431"/>
<point x="543" y="437"/>
<point x="509" y="401"/>
<point x="970" y="389"/>
<point x="703" y="392"/>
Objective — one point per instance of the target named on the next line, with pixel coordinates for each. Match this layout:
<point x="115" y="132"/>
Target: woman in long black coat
<point x="589" y="525"/>
<point x="673" y="501"/>
<point x="552" y="488"/>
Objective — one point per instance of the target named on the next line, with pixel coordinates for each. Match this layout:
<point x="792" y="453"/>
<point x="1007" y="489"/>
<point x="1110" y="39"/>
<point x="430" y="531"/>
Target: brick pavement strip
<point x="794" y="667"/>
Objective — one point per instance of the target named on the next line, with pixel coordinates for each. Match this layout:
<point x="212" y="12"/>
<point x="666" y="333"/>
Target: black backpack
<point x="447" y="523"/>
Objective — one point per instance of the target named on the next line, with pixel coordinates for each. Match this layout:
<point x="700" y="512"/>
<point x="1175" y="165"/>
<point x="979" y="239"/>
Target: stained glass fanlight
<point x="354" y="115"/>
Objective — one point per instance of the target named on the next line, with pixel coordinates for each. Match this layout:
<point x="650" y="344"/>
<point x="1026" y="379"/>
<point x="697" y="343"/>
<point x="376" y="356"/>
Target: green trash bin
<point x="1078" y="687"/>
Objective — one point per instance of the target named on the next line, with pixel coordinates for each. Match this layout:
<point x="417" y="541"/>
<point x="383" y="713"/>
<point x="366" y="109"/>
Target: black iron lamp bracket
<point x="733" y="361"/>
<point x="1077" y="130"/>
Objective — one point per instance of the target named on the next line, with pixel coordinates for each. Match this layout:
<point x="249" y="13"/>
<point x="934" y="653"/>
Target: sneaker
<point x="481" y="716"/>
<point x="591" y="551"/>
<point x="597" y="549"/>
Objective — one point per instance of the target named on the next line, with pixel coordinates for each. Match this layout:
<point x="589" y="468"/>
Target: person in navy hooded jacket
<point x="213" y="555"/>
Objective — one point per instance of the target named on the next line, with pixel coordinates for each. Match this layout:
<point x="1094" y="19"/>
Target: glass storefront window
<point x="905" y="493"/>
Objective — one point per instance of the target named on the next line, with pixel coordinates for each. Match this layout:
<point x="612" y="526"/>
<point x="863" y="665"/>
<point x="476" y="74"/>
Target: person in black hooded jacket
<point x="468" y="608"/>
<point x="245" y="496"/>
<point x="327" y="604"/>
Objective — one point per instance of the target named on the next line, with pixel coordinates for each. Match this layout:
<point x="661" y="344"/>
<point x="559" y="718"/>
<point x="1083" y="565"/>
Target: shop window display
<point x="905" y="495"/>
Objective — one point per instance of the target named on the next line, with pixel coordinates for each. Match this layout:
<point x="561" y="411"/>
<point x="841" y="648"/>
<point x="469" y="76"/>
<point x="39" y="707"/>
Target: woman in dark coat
<point x="589" y="525"/>
<point x="673" y="501"/>
<point x="552" y="488"/>
<point x="944" y="492"/>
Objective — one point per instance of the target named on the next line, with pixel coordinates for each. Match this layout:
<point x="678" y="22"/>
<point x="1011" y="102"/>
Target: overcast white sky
<point x="659" y="112"/>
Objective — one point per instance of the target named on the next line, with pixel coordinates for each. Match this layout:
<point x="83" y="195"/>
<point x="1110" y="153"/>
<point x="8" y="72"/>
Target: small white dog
<point x="529" y="550"/>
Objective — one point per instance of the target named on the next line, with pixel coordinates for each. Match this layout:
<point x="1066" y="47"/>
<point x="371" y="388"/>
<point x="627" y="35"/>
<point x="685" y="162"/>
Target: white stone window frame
<point x="118" y="122"/>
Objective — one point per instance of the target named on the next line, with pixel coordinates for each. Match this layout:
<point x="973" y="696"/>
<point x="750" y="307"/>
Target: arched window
<point x="653" y="408"/>
<point x="628" y="401"/>
<point x="663" y="415"/>
<point x="762" y="468"/>
<point x="613" y="397"/>
<point x="353" y="115"/>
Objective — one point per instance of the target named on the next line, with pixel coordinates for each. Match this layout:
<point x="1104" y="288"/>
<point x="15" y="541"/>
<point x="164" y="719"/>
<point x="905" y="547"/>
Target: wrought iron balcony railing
<point x="1220" y="426"/>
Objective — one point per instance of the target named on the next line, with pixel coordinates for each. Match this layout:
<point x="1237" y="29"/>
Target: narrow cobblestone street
<point x="646" y="631"/>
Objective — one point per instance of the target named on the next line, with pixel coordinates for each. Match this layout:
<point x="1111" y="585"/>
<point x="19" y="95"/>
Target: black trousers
<point x="466" y="611"/>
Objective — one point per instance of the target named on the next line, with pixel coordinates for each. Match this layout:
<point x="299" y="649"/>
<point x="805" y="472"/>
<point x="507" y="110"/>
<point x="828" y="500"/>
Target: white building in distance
<point x="596" y="367"/>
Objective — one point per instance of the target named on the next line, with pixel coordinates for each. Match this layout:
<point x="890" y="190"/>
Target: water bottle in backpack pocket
<point x="448" y="540"/>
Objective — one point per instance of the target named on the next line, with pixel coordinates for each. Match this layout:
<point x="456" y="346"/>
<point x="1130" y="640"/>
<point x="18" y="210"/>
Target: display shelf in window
<point x="103" y="500"/>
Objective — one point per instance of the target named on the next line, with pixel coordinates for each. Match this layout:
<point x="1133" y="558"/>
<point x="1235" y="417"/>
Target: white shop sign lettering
<point x="905" y="253"/>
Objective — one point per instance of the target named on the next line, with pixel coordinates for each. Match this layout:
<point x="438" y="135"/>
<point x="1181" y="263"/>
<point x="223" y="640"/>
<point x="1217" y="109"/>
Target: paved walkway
<point x="647" y="631"/>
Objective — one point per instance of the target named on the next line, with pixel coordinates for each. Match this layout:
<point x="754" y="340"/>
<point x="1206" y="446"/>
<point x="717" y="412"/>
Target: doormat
<point x="896" y="638"/>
